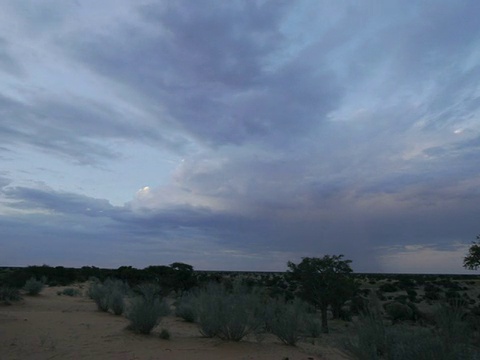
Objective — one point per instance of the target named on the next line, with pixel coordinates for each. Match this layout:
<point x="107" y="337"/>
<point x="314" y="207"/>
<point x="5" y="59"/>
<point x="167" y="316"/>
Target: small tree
<point x="321" y="281"/>
<point x="472" y="260"/>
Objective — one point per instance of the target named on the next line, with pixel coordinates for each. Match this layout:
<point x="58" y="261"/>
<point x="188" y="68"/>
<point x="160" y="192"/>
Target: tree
<point x="321" y="281"/>
<point x="472" y="260"/>
<point x="183" y="276"/>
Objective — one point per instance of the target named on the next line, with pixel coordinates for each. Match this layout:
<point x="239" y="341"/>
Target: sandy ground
<point x="49" y="326"/>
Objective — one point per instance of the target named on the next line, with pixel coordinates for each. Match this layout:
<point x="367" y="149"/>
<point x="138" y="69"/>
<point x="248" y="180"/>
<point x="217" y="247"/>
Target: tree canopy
<point x="322" y="281"/>
<point x="472" y="260"/>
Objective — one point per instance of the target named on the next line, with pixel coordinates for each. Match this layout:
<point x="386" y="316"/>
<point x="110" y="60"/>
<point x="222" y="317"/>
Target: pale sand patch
<point x="61" y="327"/>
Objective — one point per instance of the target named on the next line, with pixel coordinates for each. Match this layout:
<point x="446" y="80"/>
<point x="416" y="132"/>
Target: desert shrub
<point x="33" y="286"/>
<point x="149" y="291"/>
<point x="412" y="343"/>
<point x="358" y="304"/>
<point x="388" y="287"/>
<point x="432" y="296"/>
<point x="313" y="326"/>
<point x="109" y="295"/>
<point x="412" y="294"/>
<point x="209" y="313"/>
<point x="452" y="294"/>
<point x="406" y="282"/>
<point x="69" y="292"/>
<point x="380" y="295"/>
<point x="370" y="341"/>
<point x="117" y="290"/>
<point x="185" y="307"/>
<point x="229" y="315"/>
<point x="145" y="313"/>
<point x="397" y="311"/>
<point x="99" y="293"/>
<point x="449" y="341"/>
<point x="9" y="295"/>
<point x="401" y="298"/>
<point x="449" y="321"/>
<point x="288" y="321"/>
<point x="432" y="292"/>
<point x="165" y="334"/>
<point x="116" y="302"/>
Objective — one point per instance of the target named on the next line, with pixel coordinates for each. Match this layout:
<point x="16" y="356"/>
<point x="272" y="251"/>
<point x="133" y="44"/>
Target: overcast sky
<point x="239" y="135"/>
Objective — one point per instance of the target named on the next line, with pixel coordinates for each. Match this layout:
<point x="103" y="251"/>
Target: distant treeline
<point x="176" y="276"/>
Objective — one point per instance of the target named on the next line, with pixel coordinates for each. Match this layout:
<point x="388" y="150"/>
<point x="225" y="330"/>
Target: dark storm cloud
<point x="62" y="203"/>
<point x="213" y="68"/>
<point x="54" y="127"/>
<point x="75" y="128"/>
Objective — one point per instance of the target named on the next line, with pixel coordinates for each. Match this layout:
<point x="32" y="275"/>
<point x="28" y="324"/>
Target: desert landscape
<point x="316" y="162"/>
<point x="67" y="319"/>
<point x="50" y="326"/>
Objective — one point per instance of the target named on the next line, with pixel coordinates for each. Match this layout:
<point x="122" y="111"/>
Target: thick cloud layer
<point x="239" y="135"/>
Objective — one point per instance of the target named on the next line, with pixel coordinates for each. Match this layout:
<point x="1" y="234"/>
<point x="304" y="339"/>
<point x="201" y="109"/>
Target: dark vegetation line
<point x="62" y="276"/>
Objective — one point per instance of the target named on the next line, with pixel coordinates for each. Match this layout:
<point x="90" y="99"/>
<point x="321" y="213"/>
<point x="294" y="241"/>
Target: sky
<point x="239" y="135"/>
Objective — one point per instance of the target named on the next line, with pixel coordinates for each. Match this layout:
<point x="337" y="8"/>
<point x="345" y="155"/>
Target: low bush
<point x="109" y="295"/>
<point x="33" y="286"/>
<point x="8" y="295"/>
<point x="370" y="341"/>
<point x="70" y="292"/>
<point x="149" y="291"/>
<point x="397" y="311"/>
<point x="185" y="307"/>
<point x="116" y="302"/>
<point x="388" y="287"/>
<point x="412" y="295"/>
<point x="165" y="334"/>
<point x="144" y="314"/>
<point x="99" y="293"/>
<point x="229" y="315"/>
<point x="313" y="326"/>
<point x="288" y="321"/>
<point x="451" y="327"/>
<point x="450" y="340"/>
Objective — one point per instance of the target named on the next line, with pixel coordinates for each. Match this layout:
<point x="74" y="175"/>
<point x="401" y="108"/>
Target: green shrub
<point x="398" y="311"/>
<point x="370" y="341"/>
<point x="99" y="293"/>
<point x="9" y="295"/>
<point x="229" y="315"/>
<point x="165" y="334"/>
<point x="388" y="287"/>
<point x="149" y="291"/>
<point x="288" y="321"/>
<point x="69" y="292"/>
<point x="116" y="302"/>
<point x="313" y="326"/>
<point x="185" y="308"/>
<point x="412" y="343"/>
<point x="449" y="341"/>
<point x="144" y="314"/>
<point x="109" y="295"/>
<point x="33" y="286"/>
<point x="412" y="294"/>
<point x="449" y="321"/>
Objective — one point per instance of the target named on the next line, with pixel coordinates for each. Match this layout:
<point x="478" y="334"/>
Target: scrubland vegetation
<point x="375" y="316"/>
